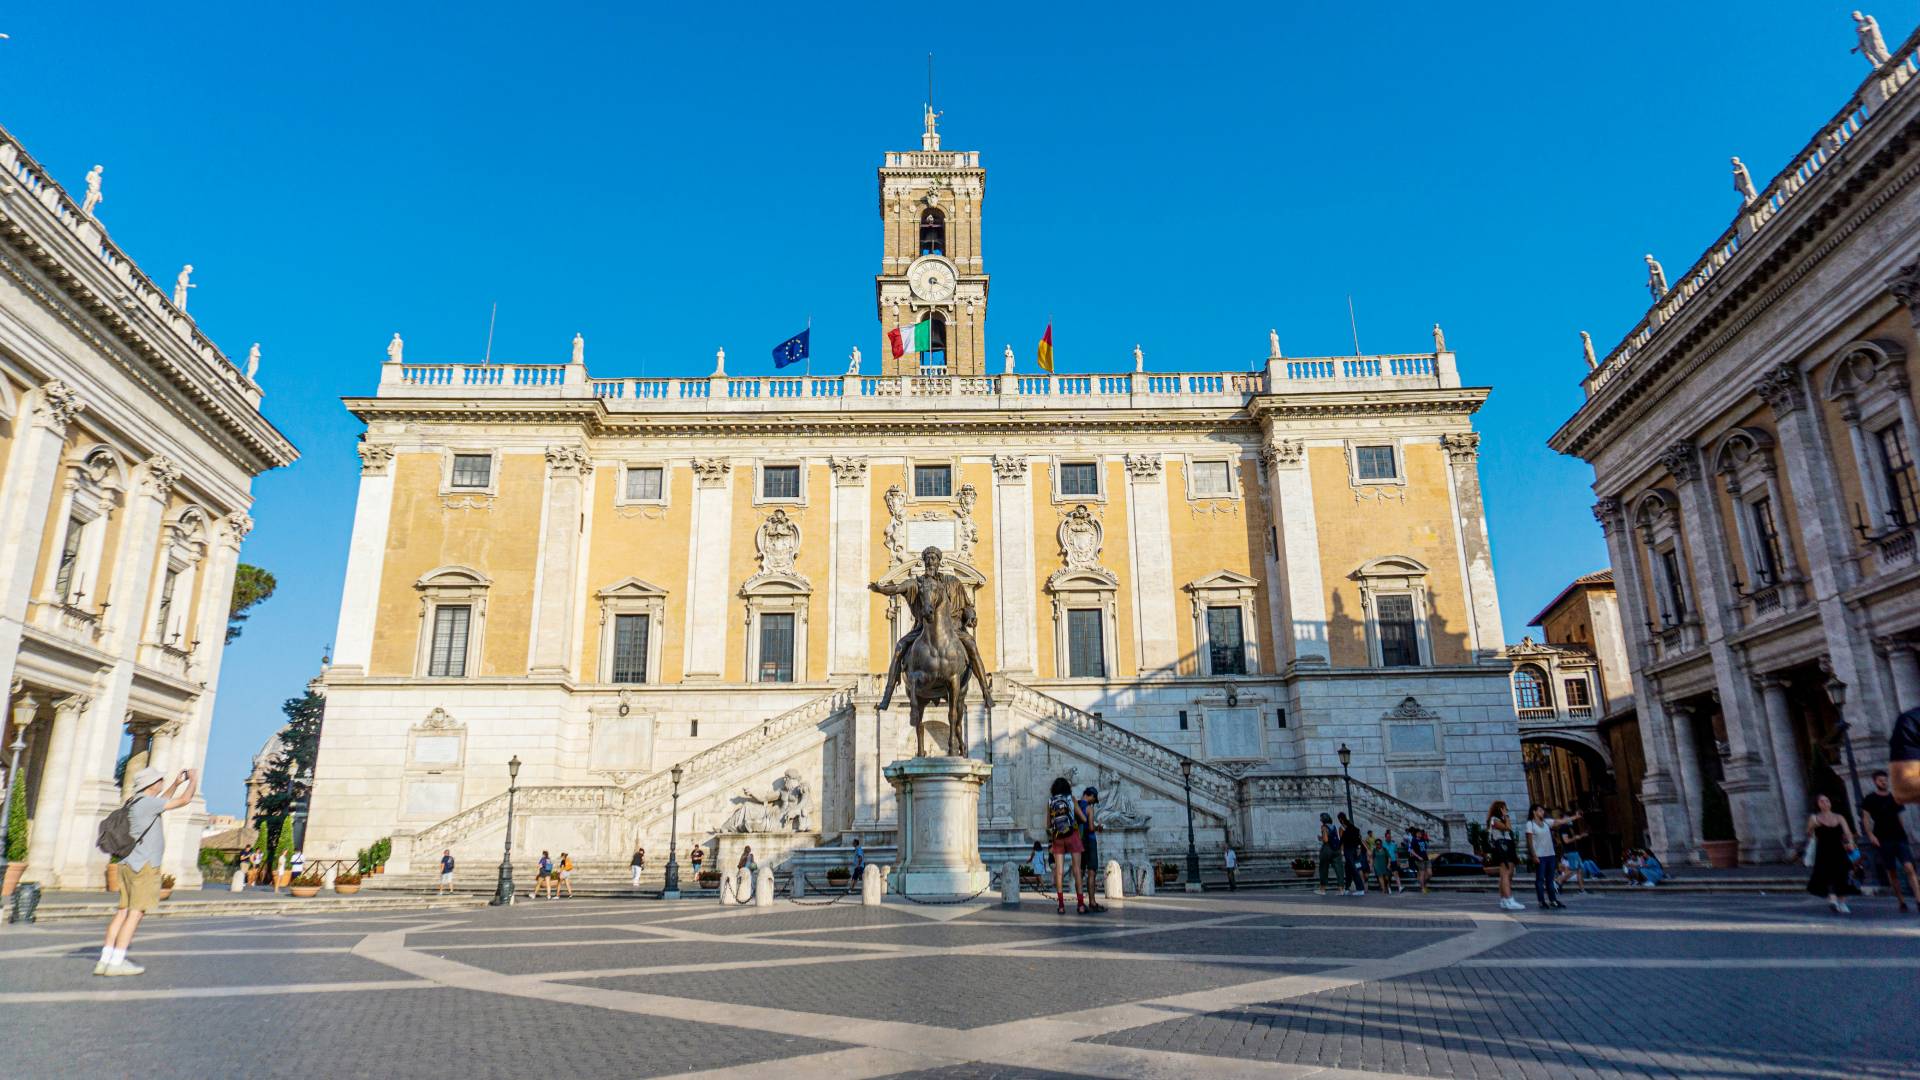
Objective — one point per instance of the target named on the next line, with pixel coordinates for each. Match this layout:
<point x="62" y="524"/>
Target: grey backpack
<point x="116" y="832"/>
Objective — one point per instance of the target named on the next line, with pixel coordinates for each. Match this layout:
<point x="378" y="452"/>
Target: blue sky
<point x="667" y="183"/>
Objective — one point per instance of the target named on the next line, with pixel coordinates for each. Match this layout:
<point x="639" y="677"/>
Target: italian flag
<point x="917" y="338"/>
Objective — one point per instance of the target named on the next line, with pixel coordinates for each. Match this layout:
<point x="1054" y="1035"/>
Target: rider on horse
<point x="925" y="595"/>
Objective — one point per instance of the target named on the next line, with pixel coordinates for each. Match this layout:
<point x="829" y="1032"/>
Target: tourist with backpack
<point x="1353" y="856"/>
<point x="1064" y="818"/>
<point x="134" y="835"/>
<point x="1329" y="851"/>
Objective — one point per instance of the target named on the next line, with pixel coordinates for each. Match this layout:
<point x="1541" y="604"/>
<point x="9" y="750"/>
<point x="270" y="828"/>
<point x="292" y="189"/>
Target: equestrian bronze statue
<point x="938" y="656"/>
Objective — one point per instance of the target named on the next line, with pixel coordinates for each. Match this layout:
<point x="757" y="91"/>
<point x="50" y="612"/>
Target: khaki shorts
<point x="140" y="889"/>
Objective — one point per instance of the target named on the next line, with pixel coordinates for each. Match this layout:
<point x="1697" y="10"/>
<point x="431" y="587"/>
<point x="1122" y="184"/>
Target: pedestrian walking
<point x="1353" y="858"/>
<point x="1233" y="865"/>
<point x="1063" y="834"/>
<point x="545" y="876"/>
<point x="1833" y="853"/>
<point x="860" y="864"/>
<point x="638" y="864"/>
<point x="253" y="867"/>
<point x="1573" y="864"/>
<point x="1329" y="851"/>
<point x="1540" y="830"/>
<point x="1037" y="863"/>
<point x="299" y="865"/>
<point x="698" y="856"/>
<point x="1419" y="855"/>
<point x="566" y="873"/>
<point x="1386" y="863"/>
<point x="1887" y="840"/>
<point x="446" y="872"/>
<point x="1089" y="860"/>
<point x="1503" y="853"/>
<point x="243" y="866"/>
<point x="135" y="834"/>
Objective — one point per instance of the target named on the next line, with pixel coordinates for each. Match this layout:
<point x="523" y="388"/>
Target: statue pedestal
<point x="770" y="849"/>
<point x="939" y="799"/>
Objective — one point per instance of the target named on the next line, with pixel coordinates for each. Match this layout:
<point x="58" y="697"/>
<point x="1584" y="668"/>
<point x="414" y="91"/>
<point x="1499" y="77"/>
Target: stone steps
<point x="52" y="909"/>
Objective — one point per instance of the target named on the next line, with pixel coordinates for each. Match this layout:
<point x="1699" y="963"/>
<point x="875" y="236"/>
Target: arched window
<point x="933" y="232"/>
<point x="936" y="355"/>
<point x="1530" y="688"/>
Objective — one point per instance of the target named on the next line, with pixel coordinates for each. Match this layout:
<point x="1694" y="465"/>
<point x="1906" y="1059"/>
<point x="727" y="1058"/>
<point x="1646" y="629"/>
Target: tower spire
<point x="930" y="140"/>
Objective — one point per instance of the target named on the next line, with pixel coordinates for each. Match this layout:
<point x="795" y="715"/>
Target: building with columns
<point x="1238" y="570"/>
<point x="1752" y="445"/>
<point x="130" y="443"/>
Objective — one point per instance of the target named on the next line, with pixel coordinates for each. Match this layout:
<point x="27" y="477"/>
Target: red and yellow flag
<point x="1046" y="349"/>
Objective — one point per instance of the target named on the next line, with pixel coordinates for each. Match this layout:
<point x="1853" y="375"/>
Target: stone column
<point x="1794" y="802"/>
<point x="1905" y="667"/>
<point x="1687" y="768"/>
<point x="1152" y="559"/>
<point x="851" y="530"/>
<point x="52" y="812"/>
<point x="1463" y="455"/>
<point x="707" y="602"/>
<point x="366" y="558"/>
<point x="1290" y="493"/>
<point x="553" y="620"/>
<point x="26" y="495"/>
<point x="189" y="748"/>
<point x="1013" y="551"/>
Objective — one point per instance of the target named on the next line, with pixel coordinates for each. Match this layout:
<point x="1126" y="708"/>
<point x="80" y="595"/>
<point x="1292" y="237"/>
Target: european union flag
<point x="791" y="351"/>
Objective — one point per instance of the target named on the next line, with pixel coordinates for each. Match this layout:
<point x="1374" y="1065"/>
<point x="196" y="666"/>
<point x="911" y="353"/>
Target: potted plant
<point x="1303" y="867"/>
<point x="839" y="876"/>
<point x="346" y="883"/>
<point x="166" y="886"/>
<point x="709" y="879"/>
<point x="1716" y="829"/>
<point x="307" y="884"/>
<point x="16" y="837"/>
<point x="380" y="852"/>
<point x="1166" y="873"/>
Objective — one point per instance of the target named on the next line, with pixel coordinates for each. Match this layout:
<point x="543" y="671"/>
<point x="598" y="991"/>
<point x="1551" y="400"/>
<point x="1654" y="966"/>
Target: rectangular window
<point x="693" y="729"/>
<point x="1767" y="538"/>
<point x="932" y="481"/>
<point x="167" y="584"/>
<point x="69" y="556"/>
<point x="1183" y="719"/>
<point x="630" y="648"/>
<point x="1577" y="694"/>
<point x="1374" y="463"/>
<point x="472" y="470"/>
<point x="1399" y="643"/>
<point x="447" y="658"/>
<point x="780" y="481"/>
<point x="1211" y="478"/>
<point x="645" y="483"/>
<point x="1079" y="478"/>
<point x="1282" y="715"/>
<point x="776" y="646"/>
<point x="1086" y="645"/>
<point x="1226" y="649"/>
<point x="1897" y="464"/>
<point x="1676" y="599"/>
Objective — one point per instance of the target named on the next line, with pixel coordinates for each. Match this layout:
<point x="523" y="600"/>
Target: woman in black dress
<point x="1832" y="842"/>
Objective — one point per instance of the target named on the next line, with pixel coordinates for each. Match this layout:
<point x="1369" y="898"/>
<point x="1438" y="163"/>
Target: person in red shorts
<point x="1065" y="819"/>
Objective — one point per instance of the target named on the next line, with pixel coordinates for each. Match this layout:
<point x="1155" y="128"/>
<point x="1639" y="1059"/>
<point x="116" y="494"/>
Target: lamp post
<point x="1346" y="759"/>
<point x="1193" y="853"/>
<point x="503" y="892"/>
<point x="672" y="891"/>
<point x="1837" y="693"/>
<point x="6" y="800"/>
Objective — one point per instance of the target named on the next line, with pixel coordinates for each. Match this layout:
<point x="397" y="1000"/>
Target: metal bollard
<point x="26" y="900"/>
<point x="1010" y="885"/>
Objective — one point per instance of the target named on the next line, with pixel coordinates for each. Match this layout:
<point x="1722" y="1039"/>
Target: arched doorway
<point x="1568" y="774"/>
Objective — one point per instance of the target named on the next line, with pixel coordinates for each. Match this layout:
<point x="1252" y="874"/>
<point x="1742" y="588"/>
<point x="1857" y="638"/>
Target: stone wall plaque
<point x="923" y="534"/>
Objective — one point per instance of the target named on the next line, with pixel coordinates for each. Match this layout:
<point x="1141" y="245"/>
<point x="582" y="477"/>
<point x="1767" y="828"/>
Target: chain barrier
<point x="844" y="893"/>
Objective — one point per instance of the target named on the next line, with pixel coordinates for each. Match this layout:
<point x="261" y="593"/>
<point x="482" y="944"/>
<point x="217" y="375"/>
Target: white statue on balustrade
<point x="1656" y="278"/>
<point x="181" y="285"/>
<point x="1743" y="182"/>
<point x="1139" y="358"/>
<point x="579" y="349"/>
<point x="1008" y="359"/>
<point x="253" y="360"/>
<point x="853" y="361"/>
<point x="394" y="348"/>
<point x="719" y="363"/>
<point x="93" y="198"/>
<point x="1273" y="344"/>
<point x="1872" y="45"/>
<point x="1439" y="339"/>
<point x="1586" y="347"/>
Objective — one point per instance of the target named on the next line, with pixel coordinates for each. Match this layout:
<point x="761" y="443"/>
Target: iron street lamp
<point x="1346" y="759"/>
<point x="1837" y="693"/>
<point x="1193" y="853"/>
<point x="672" y="891"/>
<point x="503" y="892"/>
<point x="6" y="801"/>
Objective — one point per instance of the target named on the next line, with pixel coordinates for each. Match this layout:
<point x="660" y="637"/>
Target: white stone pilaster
<point x="366" y="558"/>
<point x="1476" y="549"/>
<point x="50" y="813"/>
<point x="1016" y="632"/>
<point x="851" y="513"/>
<point x="26" y="494"/>
<point x="189" y="748"/>
<point x="707" y="601"/>
<point x="557" y="594"/>
<point x="1794" y="802"/>
<point x="1291" y="493"/>
<point x="1152" y="558"/>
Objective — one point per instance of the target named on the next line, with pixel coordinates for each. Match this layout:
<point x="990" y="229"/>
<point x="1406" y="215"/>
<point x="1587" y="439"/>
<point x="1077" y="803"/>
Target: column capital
<point x="1462" y="447"/>
<point x="73" y="703"/>
<point x="1010" y="468"/>
<point x="58" y="405"/>
<point x="1682" y="460"/>
<point x="1905" y="286"/>
<point x="1606" y="511"/>
<point x="375" y="458"/>
<point x="1143" y="467"/>
<point x="711" y="472"/>
<point x="157" y="475"/>
<point x="1780" y="387"/>
<point x="234" y="529"/>
<point x="1282" y="453"/>
<point x="1888" y="644"/>
<point x="566" y="461"/>
<point x="848" y="471"/>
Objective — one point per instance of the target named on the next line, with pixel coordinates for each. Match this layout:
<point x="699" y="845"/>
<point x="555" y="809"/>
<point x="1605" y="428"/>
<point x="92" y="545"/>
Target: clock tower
<point x="930" y="266"/>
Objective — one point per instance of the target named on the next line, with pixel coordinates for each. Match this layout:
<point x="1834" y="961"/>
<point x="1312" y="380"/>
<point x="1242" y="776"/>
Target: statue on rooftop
<point x="1586" y="347"/>
<point x="1009" y="359"/>
<point x="1139" y="358"/>
<point x="181" y="285"/>
<point x="253" y="360"/>
<point x="1872" y="45"/>
<point x="94" y="198"/>
<point x="393" y="349"/>
<point x="1743" y="182"/>
<point x="853" y="361"/>
<point x="719" y="363"/>
<point x="1273" y="344"/>
<point x="579" y="349"/>
<point x="1439" y="339"/>
<point x="1656" y="278"/>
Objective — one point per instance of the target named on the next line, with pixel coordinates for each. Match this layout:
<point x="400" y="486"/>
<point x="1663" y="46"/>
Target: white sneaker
<point x="1844" y="909"/>
<point x="124" y="967"/>
<point x="99" y="967"/>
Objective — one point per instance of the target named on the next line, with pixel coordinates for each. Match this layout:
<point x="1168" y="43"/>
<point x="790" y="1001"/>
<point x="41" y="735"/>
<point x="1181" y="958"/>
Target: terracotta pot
<point x="164" y="893"/>
<point x="1722" y="854"/>
<point x="346" y="890"/>
<point x="113" y="877"/>
<point x="304" y="891"/>
<point x="14" y="870"/>
<point x="1303" y="871"/>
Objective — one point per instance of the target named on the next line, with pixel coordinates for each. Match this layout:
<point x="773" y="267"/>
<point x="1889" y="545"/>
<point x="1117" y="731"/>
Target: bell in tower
<point x="931" y="291"/>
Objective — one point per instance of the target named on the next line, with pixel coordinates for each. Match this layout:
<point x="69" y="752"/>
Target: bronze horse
<point x="938" y="656"/>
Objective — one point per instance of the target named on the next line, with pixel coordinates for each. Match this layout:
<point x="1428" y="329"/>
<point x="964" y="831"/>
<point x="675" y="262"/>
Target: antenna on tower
<point x="929" y="80"/>
<point x="487" y="357"/>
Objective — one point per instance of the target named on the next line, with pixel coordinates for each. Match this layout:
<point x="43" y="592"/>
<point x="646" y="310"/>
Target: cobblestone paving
<point x="1250" y="984"/>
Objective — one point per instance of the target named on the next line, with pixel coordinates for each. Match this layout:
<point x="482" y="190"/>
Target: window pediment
<point x="1864" y="365"/>
<point x="632" y="588"/>
<point x="1082" y="580"/>
<point x="776" y="583"/>
<point x="453" y="577"/>
<point x="1223" y="580"/>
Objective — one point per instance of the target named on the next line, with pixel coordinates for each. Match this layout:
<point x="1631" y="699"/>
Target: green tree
<point x="263" y="843"/>
<point x="285" y="846"/>
<point x="17" y="822"/>
<point x="299" y="748"/>
<point x="251" y="586"/>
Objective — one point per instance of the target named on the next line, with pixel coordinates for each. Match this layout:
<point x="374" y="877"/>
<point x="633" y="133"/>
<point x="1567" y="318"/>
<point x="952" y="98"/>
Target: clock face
<point x="932" y="279"/>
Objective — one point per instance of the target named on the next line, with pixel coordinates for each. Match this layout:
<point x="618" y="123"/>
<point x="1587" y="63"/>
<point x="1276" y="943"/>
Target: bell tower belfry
<point x="930" y="265"/>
